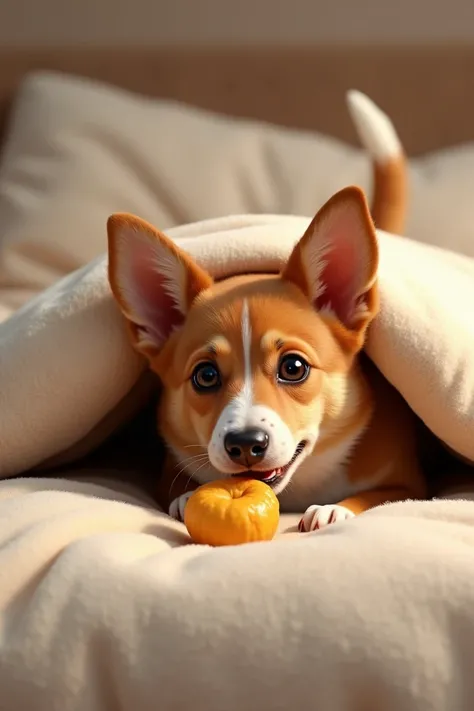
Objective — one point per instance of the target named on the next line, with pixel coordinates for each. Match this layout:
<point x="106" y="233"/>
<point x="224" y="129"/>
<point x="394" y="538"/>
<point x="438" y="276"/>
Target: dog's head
<point x="255" y="369"/>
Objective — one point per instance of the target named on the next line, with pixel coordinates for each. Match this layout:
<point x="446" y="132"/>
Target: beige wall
<point x="96" y="22"/>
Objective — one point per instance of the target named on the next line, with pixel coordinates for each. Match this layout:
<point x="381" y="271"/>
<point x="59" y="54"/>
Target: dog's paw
<point x="316" y="517"/>
<point x="177" y="506"/>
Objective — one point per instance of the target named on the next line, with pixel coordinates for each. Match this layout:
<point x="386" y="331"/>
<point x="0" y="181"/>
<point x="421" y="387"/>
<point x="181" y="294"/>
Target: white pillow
<point x="78" y="151"/>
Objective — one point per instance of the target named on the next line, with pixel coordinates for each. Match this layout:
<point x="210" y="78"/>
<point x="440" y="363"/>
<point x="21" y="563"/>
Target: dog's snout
<point x="246" y="447"/>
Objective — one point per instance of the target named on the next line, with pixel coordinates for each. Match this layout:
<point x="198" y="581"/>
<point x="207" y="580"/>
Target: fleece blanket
<point x="105" y="605"/>
<point x="68" y="375"/>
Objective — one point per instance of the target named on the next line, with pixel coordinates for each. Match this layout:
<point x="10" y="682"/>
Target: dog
<point x="264" y="375"/>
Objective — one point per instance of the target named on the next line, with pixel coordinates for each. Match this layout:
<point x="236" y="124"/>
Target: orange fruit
<point x="230" y="511"/>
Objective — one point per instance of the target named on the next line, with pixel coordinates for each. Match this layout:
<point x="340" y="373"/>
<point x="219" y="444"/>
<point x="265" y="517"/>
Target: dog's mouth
<point x="273" y="476"/>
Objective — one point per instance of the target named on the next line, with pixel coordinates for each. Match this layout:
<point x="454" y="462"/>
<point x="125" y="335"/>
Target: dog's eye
<point x="292" y="369"/>
<point x="206" y="376"/>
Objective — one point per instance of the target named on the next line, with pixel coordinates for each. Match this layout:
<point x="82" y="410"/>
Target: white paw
<point x="316" y="517"/>
<point x="177" y="506"/>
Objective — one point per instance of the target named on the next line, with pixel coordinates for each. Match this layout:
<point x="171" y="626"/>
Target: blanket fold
<point x="105" y="605"/>
<point x="66" y="363"/>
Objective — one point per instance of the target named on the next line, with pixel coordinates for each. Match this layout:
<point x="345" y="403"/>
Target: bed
<point x="105" y="604"/>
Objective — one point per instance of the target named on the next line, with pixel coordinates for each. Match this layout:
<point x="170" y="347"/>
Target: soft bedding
<point x="78" y="150"/>
<point x="105" y="604"/>
<point x="105" y="607"/>
<point x="67" y="350"/>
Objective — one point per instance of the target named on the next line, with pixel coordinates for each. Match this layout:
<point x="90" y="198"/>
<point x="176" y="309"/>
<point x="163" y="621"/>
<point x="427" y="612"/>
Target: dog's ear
<point x="335" y="262"/>
<point x="153" y="281"/>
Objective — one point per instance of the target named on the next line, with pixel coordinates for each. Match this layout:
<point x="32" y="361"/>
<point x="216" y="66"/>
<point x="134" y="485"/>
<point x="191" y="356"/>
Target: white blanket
<point x="104" y="606"/>
<point x="68" y="353"/>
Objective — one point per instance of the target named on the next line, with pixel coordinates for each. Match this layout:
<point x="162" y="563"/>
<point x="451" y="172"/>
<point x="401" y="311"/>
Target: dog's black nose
<point x="246" y="447"/>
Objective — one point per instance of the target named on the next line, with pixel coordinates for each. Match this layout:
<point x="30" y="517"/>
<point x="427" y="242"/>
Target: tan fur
<point x="378" y="411"/>
<point x="218" y="310"/>
<point x="344" y="393"/>
<point x="389" y="202"/>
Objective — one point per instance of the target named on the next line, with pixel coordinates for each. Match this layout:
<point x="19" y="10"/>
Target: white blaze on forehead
<point x="246" y="395"/>
<point x="242" y="412"/>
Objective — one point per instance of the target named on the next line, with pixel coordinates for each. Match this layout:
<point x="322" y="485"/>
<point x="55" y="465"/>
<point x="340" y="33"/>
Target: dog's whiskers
<point x="201" y="459"/>
<point x="188" y="482"/>
<point x="191" y="476"/>
<point x="191" y="460"/>
<point x="187" y="464"/>
<point x="197" y="470"/>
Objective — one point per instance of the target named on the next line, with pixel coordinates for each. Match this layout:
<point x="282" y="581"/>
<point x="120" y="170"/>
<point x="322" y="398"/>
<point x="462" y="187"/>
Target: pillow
<point x="78" y="151"/>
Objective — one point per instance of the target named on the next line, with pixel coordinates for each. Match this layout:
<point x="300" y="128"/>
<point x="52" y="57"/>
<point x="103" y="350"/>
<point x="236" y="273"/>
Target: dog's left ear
<point x="153" y="281"/>
<point x="335" y="262"/>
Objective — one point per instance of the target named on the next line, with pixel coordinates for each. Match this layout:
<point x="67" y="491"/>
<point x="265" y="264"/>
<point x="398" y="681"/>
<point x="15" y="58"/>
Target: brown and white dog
<point x="262" y="375"/>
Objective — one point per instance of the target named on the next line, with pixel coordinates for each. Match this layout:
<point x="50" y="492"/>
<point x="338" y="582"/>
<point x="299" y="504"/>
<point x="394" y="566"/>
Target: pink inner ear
<point x="342" y="247"/>
<point x="146" y="277"/>
<point x="339" y="278"/>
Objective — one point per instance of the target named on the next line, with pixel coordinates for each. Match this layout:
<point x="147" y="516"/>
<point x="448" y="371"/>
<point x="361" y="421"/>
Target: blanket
<point x="106" y="608"/>
<point x="105" y="605"/>
<point x="67" y="350"/>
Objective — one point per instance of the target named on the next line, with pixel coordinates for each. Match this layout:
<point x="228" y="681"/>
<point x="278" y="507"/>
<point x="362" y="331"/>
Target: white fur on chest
<point x="322" y="479"/>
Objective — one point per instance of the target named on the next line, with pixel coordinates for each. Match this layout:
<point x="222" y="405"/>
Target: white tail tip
<point x="375" y="130"/>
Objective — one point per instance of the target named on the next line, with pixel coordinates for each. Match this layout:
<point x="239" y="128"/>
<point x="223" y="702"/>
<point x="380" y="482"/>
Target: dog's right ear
<point x="335" y="262"/>
<point x="153" y="281"/>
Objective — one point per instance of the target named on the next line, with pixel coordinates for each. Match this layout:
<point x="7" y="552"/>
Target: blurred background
<point x="286" y="62"/>
<point x="75" y="147"/>
<point x="104" y="22"/>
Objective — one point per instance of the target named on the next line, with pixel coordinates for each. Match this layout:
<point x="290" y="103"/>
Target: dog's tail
<point x="378" y="136"/>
